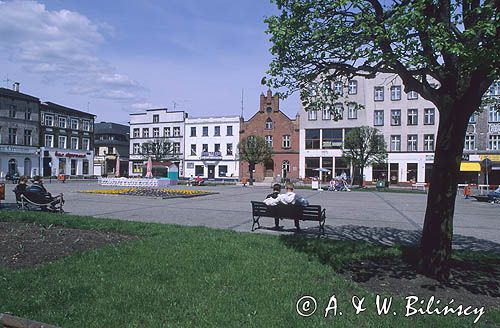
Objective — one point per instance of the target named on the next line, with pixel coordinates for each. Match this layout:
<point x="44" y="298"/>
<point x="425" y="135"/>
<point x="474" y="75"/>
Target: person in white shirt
<point x="286" y="199"/>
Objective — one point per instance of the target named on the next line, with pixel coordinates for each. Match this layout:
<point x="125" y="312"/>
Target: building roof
<point x="111" y="128"/>
<point x="16" y="94"/>
<point x="52" y="106"/>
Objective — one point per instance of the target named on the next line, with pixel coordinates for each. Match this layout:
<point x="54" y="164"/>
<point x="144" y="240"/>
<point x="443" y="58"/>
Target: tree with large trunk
<point x="364" y="146"/>
<point x="447" y="51"/>
<point x="254" y="150"/>
<point x="158" y="150"/>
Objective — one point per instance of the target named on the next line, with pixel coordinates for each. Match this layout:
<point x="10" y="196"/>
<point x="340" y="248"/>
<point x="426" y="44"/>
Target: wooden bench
<point x="292" y="212"/>
<point x="418" y="185"/>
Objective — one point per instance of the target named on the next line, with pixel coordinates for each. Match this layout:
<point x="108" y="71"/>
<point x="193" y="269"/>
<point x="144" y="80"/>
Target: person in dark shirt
<point x="275" y="194"/>
<point x="21" y="187"/>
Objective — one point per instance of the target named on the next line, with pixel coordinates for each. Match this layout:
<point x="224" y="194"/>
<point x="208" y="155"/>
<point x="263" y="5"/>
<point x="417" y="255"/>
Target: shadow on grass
<point x="388" y="256"/>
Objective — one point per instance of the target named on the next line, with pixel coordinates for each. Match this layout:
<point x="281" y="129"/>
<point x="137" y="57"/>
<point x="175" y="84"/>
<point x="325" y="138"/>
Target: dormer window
<point x="269" y="124"/>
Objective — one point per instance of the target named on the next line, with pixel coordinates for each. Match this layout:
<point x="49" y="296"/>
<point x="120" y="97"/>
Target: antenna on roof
<point x="88" y="106"/>
<point x="242" y="102"/>
<point x="7" y="80"/>
<point x="175" y="104"/>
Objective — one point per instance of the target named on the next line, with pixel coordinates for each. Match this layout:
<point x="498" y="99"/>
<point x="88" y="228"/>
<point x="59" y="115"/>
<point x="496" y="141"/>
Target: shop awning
<point x="470" y="167"/>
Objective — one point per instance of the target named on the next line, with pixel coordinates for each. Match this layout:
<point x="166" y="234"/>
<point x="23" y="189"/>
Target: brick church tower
<point x="281" y="133"/>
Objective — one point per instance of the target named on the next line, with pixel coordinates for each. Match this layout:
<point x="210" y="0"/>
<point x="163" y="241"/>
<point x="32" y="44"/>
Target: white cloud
<point x="62" y="46"/>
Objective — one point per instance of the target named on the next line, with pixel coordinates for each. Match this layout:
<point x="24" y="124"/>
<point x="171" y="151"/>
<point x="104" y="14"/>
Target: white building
<point x="407" y="121"/>
<point x="211" y="147"/>
<point x="156" y="125"/>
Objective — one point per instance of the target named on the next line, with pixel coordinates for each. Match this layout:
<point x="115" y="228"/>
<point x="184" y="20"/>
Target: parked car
<point x="494" y="196"/>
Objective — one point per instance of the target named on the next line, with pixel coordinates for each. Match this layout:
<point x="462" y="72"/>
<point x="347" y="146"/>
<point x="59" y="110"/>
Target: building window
<point x="312" y="139"/>
<point x="378" y="94"/>
<point x="62" y="122"/>
<point x="352" y="111"/>
<point x="177" y="147"/>
<point x="27" y="138"/>
<point x="327" y="113"/>
<point x="339" y="111"/>
<point x="86" y="144"/>
<point x="49" y="120"/>
<point x="156" y="132"/>
<point x="222" y="170"/>
<point x="136" y="133"/>
<point x="205" y="131"/>
<point x="428" y="142"/>
<point x="27" y="114"/>
<point x="193" y="131"/>
<point x="337" y="88"/>
<point x="412" y="116"/>
<point x="312" y="115"/>
<point x="229" y="130"/>
<point x="145" y="132"/>
<point x="470" y="142"/>
<point x="74" y="143"/>
<point x="269" y="141"/>
<point x="412" y="95"/>
<point x="229" y="149"/>
<point x="378" y="117"/>
<point x="137" y="167"/>
<point x="353" y="87"/>
<point x="395" y="143"/>
<point x="285" y="167"/>
<point x="217" y="131"/>
<point x="49" y="141"/>
<point x="12" y="136"/>
<point x="493" y="114"/>
<point x="396" y="92"/>
<point x="494" y="142"/>
<point x="269" y="124"/>
<point x="216" y="148"/>
<point x="396" y="117"/>
<point x="286" y="141"/>
<point x="199" y="170"/>
<point x="156" y="118"/>
<point x="193" y="149"/>
<point x="177" y="131"/>
<point x="429" y="116"/>
<point x="12" y="111"/>
<point x="136" y="148"/>
<point x="312" y="166"/>
<point x="332" y="139"/>
<point x="412" y="142"/>
<point x="473" y="119"/>
<point x="74" y="124"/>
<point x="62" y="142"/>
<point x="166" y="132"/>
<point x="204" y="148"/>
<point x="86" y="125"/>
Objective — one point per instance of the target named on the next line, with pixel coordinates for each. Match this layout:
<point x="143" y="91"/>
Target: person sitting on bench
<point x="286" y="199"/>
<point x="275" y="194"/>
<point x="21" y="187"/>
<point x="40" y="195"/>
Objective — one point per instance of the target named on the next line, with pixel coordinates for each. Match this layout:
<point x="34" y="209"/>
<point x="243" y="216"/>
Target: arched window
<point x="12" y="166"/>
<point x="269" y="124"/>
<point x="286" y="166"/>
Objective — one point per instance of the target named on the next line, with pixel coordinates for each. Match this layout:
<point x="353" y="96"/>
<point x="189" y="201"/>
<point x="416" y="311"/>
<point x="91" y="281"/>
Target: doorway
<point x="211" y="171"/>
<point x="12" y="167"/>
<point x="269" y="168"/>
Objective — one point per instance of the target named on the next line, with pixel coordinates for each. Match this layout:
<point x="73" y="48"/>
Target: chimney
<point x="15" y="86"/>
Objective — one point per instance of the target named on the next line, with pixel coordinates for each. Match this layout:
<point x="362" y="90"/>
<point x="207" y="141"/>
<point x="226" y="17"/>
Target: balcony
<point x="211" y="155"/>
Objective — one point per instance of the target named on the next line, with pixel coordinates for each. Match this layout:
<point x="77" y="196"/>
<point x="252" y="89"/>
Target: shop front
<point x="62" y="162"/>
<point x="18" y="160"/>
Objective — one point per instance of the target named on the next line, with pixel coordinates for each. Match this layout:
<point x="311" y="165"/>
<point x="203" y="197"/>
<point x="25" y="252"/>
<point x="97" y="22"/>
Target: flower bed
<point x="164" y="193"/>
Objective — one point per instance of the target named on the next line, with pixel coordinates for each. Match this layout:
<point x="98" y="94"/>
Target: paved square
<point x="383" y="217"/>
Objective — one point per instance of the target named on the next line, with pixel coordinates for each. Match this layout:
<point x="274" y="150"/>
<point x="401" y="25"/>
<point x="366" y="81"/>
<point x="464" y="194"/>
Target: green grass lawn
<point x="177" y="276"/>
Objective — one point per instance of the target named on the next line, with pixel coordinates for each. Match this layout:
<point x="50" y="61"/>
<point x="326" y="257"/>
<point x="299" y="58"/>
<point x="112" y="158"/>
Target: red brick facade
<point x="282" y="126"/>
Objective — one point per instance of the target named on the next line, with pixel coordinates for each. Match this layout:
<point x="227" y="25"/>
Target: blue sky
<point x="120" y="56"/>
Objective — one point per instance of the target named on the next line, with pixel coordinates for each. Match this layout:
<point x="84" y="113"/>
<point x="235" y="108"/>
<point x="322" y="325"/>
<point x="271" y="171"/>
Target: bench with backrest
<point x="292" y="212"/>
<point x="35" y="196"/>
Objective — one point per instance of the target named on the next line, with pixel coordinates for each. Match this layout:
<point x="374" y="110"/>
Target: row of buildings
<point x="49" y="139"/>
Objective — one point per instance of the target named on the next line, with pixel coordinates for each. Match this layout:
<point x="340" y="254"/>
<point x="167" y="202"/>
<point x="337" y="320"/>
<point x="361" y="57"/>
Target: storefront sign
<point x="429" y="157"/>
<point x="70" y="155"/>
<point x="17" y="149"/>
<point x="492" y="157"/>
<point x="474" y="158"/>
<point x="494" y="128"/>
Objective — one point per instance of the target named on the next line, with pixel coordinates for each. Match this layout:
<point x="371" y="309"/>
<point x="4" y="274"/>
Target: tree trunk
<point x="437" y="232"/>
<point x="251" y="167"/>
